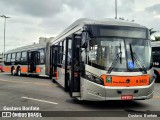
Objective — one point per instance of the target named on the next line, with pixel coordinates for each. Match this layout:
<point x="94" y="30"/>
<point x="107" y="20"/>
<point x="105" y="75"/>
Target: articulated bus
<point x="27" y="60"/>
<point x="100" y="60"/>
<point x="156" y="59"/>
<point x="104" y="60"/>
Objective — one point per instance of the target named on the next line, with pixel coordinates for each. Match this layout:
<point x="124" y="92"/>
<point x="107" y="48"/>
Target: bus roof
<point x="106" y="21"/>
<point x="27" y="48"/>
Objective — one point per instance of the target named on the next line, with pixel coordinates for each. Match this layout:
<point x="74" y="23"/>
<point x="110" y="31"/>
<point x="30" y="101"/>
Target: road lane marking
<point x="39" y="100"/>
<point x="13" y="81"/>
<point x="42" y="84"/>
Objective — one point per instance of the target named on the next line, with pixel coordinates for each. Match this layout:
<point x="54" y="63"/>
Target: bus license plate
<point x="126" y="97"/>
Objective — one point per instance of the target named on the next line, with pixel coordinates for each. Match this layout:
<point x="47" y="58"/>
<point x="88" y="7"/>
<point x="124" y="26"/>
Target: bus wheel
<point x="13" y="72"/>
<point x="157" y="78"/>
<point x="19" y="71"/>
<point x="53" y="80"/>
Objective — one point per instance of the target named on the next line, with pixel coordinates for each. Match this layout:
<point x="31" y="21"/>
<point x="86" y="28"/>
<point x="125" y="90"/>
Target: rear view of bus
<point x="111" y="60"/>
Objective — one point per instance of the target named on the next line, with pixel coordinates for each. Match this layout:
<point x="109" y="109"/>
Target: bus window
<point x="64" y="51"/>
<point x="9" y="58"/>
<point x="60" y="53"/>
<point x="13" y="57"/>
<point x="24" y="56"/>
<point x="41" y="51"/>
<point x="18" y="56"/>
<point x="69" y="52"/>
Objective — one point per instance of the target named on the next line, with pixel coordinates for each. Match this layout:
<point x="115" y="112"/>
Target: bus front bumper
<point x="95" y="92"/>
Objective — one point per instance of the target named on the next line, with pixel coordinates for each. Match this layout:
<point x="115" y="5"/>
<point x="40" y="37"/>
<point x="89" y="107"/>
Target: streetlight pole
<point x="5" y="17"/>
<point x="115" y="9"/>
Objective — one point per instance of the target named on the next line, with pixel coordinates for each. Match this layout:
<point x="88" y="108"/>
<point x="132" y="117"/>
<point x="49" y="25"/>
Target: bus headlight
<point x="94" y="78"/>
<point x="152" y="78"/>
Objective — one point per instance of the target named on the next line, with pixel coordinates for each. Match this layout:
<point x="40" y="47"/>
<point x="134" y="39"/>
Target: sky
<point x="31" y="19"/>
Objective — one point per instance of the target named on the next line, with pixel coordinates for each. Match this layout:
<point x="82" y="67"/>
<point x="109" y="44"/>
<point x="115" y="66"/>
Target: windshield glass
<point x="141" y="49"/>
<point x="103" y="51"/>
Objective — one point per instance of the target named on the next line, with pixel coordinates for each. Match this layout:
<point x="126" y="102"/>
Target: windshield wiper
<point x="121" y="53"/>
<point x="137" y="60"/>
<point x="132" y="56"/>
<point x="114" y="63"/>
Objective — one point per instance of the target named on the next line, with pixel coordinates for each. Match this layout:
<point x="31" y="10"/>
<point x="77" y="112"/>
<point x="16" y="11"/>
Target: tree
<point x="157" y="38"/>
<point x="151" y="31"/>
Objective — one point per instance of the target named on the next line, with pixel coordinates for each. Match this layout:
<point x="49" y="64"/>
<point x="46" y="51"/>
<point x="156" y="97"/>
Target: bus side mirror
<point x="85" y="39"/>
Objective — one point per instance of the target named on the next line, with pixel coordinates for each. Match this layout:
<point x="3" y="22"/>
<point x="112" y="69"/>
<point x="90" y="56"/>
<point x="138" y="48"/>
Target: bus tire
<point x="36" y="76"/>
<point x="157" y="77"/>
<point x="13" y="72"/>
<point x="53" y="80"/>
<point x="19" y="71"/>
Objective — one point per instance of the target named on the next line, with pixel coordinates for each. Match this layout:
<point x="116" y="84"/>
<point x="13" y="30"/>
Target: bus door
<point x="75" y="66"/>
<point x="68" y="59"/>
<point x="33" y="60"/>
<point x="54" y="62"/>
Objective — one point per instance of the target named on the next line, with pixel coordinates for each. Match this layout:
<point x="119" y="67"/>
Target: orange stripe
<point x="38" y="69"/>
<point x="126" y="80"/>
<point x="24" y="69"/>
<point x="7" y="68"/>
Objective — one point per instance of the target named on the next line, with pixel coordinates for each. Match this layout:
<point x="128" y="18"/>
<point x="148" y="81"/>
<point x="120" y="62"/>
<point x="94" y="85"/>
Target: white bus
<point x="96" y="60"/>
<point x="156" y="59"/>
<point x="29" y="59"/>
<point x="104" y="60"/>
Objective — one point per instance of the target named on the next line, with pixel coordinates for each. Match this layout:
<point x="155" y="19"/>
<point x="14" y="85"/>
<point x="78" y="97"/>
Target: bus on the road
<point x="30" y="59"/>
<point x="94" y="60"/>
<point x="104" y="60"/>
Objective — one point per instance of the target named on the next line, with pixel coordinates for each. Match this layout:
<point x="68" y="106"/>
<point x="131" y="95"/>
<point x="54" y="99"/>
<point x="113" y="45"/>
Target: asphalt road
<point x="40" y="92"/>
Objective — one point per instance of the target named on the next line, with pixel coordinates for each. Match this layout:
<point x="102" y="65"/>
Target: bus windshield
<point x="104" y="52"/>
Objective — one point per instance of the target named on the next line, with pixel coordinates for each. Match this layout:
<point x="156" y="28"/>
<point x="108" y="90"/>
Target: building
<point x="43" y="40"/>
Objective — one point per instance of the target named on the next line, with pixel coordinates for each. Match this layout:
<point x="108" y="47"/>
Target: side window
<point x="42" y="57"/>
<point x="13" y="57"/>
<point x="69" y="52"/>
<point x="9" y="58"/>
<point x="18" y="56"/>
<point x="24" y="56"/>
<point x="60" y="53"/>
<point x="64" y="51"/>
